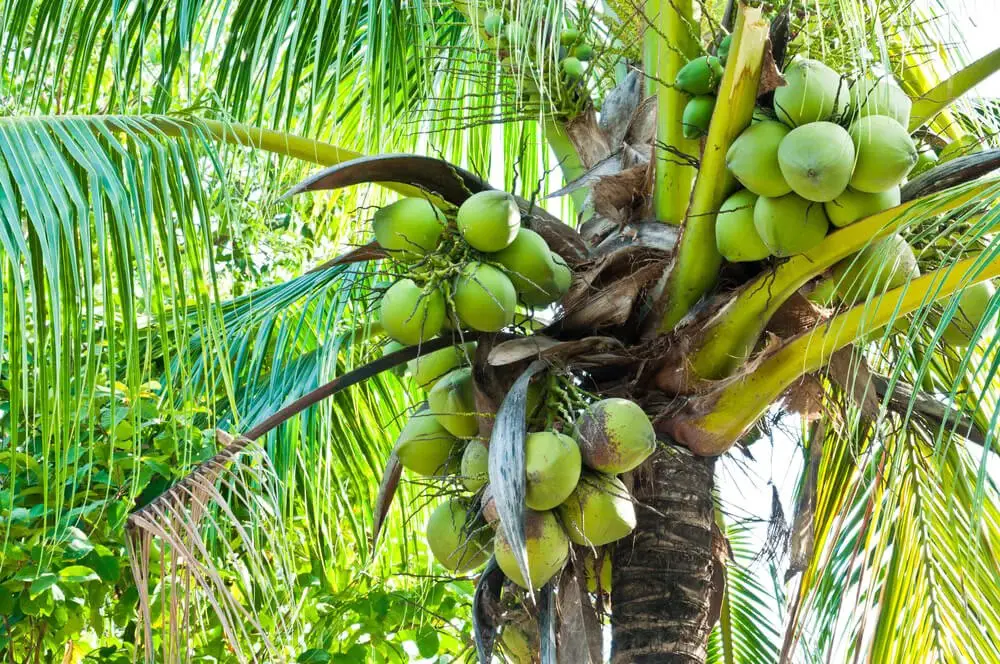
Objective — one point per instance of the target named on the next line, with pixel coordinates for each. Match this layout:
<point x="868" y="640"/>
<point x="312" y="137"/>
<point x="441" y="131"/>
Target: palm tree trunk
<point x="662" y="583"/>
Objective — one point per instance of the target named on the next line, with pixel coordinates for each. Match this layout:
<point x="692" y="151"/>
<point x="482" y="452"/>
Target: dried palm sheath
<point x="228" y="508"/>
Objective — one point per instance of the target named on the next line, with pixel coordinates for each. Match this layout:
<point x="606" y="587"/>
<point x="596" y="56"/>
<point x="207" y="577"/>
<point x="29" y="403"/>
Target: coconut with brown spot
<point x="614" y="436"/>
<point x="547" y="545"/>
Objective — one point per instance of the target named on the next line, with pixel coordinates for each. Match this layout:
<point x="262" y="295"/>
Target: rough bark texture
<point x="662" y="584"/>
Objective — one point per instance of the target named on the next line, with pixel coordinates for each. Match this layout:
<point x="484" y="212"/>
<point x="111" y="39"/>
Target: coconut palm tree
<point x="186" y="196"/>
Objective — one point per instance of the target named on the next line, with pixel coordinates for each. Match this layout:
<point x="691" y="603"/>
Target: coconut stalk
<point x="714" y="422"/>
<point x="668" y="45"/>
<point x="697" y="263"/>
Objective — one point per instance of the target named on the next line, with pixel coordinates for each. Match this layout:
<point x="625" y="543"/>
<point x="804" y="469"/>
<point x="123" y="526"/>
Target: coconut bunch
<point x="700" y="78"/>
<point x="574" y="451"/>
<point x="472" y="271"/>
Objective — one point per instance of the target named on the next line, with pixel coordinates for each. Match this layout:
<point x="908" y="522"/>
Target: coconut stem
<point x="696" y="266"/>
<point x="715" y="421"/>
<point x="569" y="159"/>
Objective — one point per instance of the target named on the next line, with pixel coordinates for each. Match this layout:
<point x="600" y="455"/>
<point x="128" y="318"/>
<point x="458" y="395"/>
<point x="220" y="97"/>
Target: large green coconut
<point x="880" y="97"/>
<point x="428" y="369"/>
<point x="475" y="465"/>
<point x="424" y="446"/>
<point x="547" y="545"/>
<point x="408" y="229"/>
<point x="614" y="435"/>
<point x="410" y="314"/>
<point x="599" y="511"/>
<point x="552" y="465"/>
<point x="885" y="153"/>
<point x="485" y="298"/>
<point x="458" y="542"/>
<point x="735" y="235"/>
<point x="489" y="220"/>
<point x="531" y="267"/>
<point x="453" y="403"/>
<point x="816" y="160"/>
<point x="753" y="158"/>
<point x="700" y="76"/>
<point x="697" y="116"/>
<point x="812" y="92"/>
<point x="882" y="265"/>
<point x="790" y="224"/>
<point x="853" y="205"/>
<point x="973" y="303"/>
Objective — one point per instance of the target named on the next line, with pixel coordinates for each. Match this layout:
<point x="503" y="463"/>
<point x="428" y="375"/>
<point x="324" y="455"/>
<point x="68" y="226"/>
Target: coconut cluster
<point x="472" y="271"/>
<point x="700" y="78"/>
<point x="575" y="449"/>
<point x="831" y="154"/>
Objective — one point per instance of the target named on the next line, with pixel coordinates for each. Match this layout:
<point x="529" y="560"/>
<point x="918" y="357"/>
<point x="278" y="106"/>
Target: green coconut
<point x="488" y="506"/>
<point x="885" y="153"/>
<point x="735" y="234"/>
<point x="597" y="572"/>
<point x="962" y="147"/>
<point x="493" y="24"/>
<point x="547" y="545"/>
<point x="697" y="116"/>
<point x="583" y="52"/>
<point x="823" y="293"/>
<point x="391" y="347"/>
<point x="410" y="314"/>
<point x="485" y="298"/>
<point x="816" y="160"/>
<point x="569" y="36"/>
<point x="700" y="76"/>
<point x="519" y="640"/>
<point x="572" y="67"/>
<point x="428" y="369"/>
<point x="599" y="511"/>
<point x="552" y="465"/>
<point x="880" y="97"/>
<point x="812" y="92"/>
<point x="409" y="229"/>
<point x="453" y="403"/>
<point x="564" y="275"/>
<point x="926" y="160"/>
<point x="853" y="205"/>
<point x="882" y="265"/>
<point x="753" y="159"/>
<point x="475" y="466"/>
<point x="424" y="446"/>
<point x="458" y="542"/>
<point x="489" y="220"/>
<point x="790" y="224"/>
<point x="531" y="267"/>
<point x="723" y="51"/>
<point x="614" y="435"/>
<point x="973" y="304"/>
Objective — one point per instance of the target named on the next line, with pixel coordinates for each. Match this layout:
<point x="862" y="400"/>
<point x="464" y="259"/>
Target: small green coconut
<point x="753" y="159"/>
<point x="485" y="298"/>
<point x="735" y="234"/>
<point x="410" y="314"/>
<point x="615" y="435"/>
<point x="962" y="147"/>
<point x="816" y="160"/>
<point x="723" y="51"/>
<point x="599" y="511"/>
<point x="572" y="67"/>
<point x="697" y="116"/>
<point x="475" y="465"/>
<point x="880" y="97"/>
<point x="885" y="153"/>
<point x="453" y="402"/>
<point x="547" y="545"/>
<point x="489" y="220"/>
<point x="564" y="275"/>
<point x="531" y="267"/>
<point x="926" y="160"/>
<point x="583" y="52"/>
<point x="457" y="541"/>
<point x="493" y="24"/>
<point x="812" y="92"/>
<point x="882" y="265"/>
<point x="519" y="641"/>
<point x="973" y="304"/>
<point x="552" y="465"/>
<point x="409" y="229"/>
<point x="569" y="36"/>
<point x="852" y="205"/>
<point x="700" y="76"/>
<point x="790" y="224"/>
<point x="428" y="369"/>
<point x="424" y="446"/>
<point x="391" y="347"/>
